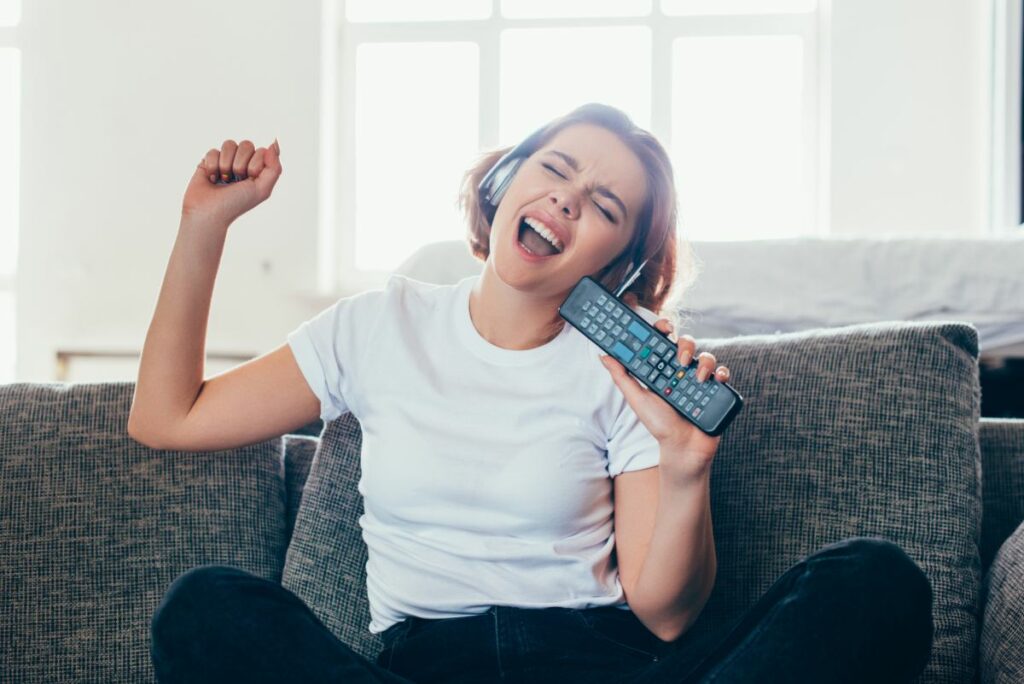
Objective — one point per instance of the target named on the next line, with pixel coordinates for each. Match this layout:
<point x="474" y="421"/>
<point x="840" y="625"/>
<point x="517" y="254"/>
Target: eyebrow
<point x="571" y="161"/>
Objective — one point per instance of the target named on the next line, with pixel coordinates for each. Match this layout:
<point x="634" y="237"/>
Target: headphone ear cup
<point x="496" y="183"/>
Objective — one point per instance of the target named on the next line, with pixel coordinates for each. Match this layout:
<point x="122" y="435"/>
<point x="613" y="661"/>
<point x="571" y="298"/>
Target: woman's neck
<point x="508" y="318"/>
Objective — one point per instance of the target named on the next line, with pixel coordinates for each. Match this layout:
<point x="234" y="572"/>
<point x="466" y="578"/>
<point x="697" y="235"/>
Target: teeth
<point x="544" y="232"/>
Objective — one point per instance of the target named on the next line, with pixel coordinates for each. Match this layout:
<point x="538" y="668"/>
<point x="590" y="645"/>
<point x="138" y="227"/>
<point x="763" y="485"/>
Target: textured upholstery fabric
<point x="94" y="526"/>
<point x="869" y="429"/>
<point x="1002" y="631"/>
<point x="1002" y="486"/>
<point x="325" y="564"/>
<point x="298" y="456"/>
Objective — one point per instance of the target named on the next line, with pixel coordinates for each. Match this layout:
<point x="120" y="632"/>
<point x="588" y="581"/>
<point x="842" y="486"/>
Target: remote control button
<point x="713" y="389"/>
<point x="645" y="352"/>
<point x="661" y="348"/>
<point x="601" y="299"/>
<point x="696" y="412"/>
<point x="624" y="320"/>
<point x="634" y="344"/>
<point x="592" y="329"/>
<point x="660" y="365"/>
<point x="600" y="334"/>
<point x="676" y="395"/>
<point x="616" y="330"/>
<point x="667" y="391"/>
<point x="653" y="376"/>
<point x="689" y="405"/>
<point x="640" y="332"/>
<point x="607" y="323"/>
<point x="645" y="370"/>
<point x="617" y="311"/>
<point x="690" y="389"/>
<point x="675" y="381"/>
<point x="636" y="364"/>
<point x="593" y="311"/>
<point x="609" y="305"/>
<point x="697" y="395"/>
<point x="660" y="383"/>
<point x="623" y="352"/>
<point x="601" y="317"/>
<point x="667" y="371"/>
<point x="585" y="322"/>
<point x="680" y="374"/>
<point x="586" y="305"/>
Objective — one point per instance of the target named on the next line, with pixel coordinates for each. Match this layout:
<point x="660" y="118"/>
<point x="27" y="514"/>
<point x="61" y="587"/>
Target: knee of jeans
<point x="191" y="592"/>
<point x="890" y="575"/>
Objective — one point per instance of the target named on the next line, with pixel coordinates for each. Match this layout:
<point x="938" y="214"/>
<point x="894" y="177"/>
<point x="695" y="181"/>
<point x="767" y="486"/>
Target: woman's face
<point x="587" y="187"/>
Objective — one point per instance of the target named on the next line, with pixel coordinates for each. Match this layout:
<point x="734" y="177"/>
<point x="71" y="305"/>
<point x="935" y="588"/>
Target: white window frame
<point x="1005" y="202"/>
<point x="337" y="273"/>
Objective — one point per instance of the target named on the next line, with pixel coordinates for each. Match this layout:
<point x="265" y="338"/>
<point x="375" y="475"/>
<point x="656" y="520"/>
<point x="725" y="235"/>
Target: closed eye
<point x="551" y="168"/>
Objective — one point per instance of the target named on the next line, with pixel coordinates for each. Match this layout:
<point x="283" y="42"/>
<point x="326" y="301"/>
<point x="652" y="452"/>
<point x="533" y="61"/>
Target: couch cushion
<point x="1002" y="482"/>
<point x="325" y="564"/>
<point x="298" y="456"/>
<point x="94" y="527"/>
<point x="868" y="429"/>
<point x="1002" y="631"/>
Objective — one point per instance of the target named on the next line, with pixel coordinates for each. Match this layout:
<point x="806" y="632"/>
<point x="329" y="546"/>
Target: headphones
<point x="495" y="184"/>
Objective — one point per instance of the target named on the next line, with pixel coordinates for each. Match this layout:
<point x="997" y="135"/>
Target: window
<point x="10" y="138"/>
<point x="419" y="90"/>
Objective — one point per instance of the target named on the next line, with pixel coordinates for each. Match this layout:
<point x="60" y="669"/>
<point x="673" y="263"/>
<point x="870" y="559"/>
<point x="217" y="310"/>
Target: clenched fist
<point x="232" y="180"/>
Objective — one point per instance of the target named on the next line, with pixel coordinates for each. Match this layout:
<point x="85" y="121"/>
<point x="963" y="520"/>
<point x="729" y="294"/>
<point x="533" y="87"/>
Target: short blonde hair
<point x="656" y="288"/>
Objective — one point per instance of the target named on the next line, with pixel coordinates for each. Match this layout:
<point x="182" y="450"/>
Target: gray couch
<point x="869" y="429"/>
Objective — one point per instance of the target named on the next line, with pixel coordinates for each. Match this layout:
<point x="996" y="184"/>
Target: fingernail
<point x="686" y="358"/>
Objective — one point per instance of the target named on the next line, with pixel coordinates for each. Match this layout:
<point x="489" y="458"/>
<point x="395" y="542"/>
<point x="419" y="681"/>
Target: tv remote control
<point x="650" y="356"/>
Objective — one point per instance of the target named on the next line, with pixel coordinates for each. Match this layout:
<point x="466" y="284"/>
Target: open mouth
<point x="538" y="240"/>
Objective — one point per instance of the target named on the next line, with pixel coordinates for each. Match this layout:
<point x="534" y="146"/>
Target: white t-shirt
<point x="486" y="472"/>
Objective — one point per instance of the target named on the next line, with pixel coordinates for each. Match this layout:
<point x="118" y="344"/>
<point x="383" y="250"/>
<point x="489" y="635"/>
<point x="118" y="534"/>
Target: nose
<point x="566" y="202"/>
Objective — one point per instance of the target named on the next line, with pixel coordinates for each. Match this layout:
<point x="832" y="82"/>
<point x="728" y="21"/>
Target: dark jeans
<point x="858" y="610"/>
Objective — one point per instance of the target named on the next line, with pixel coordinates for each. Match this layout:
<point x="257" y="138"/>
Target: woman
<point x="493" y="449"/>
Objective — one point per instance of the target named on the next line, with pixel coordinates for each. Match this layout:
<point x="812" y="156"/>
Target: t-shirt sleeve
<point x="631" y="446"/>
<point x="329" y="347"/>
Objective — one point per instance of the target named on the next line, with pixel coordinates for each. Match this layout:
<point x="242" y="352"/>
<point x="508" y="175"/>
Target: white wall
<point x="910" y="89"/>
<point x="122" y="99"/>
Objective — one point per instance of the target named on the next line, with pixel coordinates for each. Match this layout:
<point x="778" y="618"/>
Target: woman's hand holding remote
<point x="230" y="181"/>
<point x="690" y="450"/>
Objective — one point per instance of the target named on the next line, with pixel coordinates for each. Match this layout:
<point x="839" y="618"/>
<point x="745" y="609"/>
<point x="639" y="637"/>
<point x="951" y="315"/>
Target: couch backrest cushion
<point x="95" y="526"/>
<point x="325" y="564"/>
<point x="869" y="429"/>
<point x="298" y="456"/>
<point x="1002" y="631"/>
<point x="1002" y="482"/>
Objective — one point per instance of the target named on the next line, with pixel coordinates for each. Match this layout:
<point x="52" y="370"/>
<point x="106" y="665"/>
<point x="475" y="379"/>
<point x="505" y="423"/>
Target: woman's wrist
<point x="203" y="225"/>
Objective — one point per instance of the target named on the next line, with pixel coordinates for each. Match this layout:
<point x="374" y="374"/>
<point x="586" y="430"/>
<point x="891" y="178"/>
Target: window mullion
<point x="490" y="74"/>
<point x="661" y="77"/>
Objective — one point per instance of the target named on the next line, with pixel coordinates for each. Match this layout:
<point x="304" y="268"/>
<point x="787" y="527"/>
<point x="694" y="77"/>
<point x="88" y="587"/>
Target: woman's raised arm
<point x="173" y="406"/>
